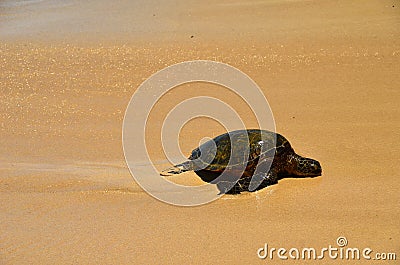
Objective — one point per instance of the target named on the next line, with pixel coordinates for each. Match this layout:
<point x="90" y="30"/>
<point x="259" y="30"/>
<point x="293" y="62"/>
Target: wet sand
<point x="327" y="69"/>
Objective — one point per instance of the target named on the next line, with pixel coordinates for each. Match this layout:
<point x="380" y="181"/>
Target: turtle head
<point x="306" y="167"/>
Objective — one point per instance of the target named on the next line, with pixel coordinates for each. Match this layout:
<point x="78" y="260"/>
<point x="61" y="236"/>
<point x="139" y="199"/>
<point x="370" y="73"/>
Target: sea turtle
<point x="247" y="160"/>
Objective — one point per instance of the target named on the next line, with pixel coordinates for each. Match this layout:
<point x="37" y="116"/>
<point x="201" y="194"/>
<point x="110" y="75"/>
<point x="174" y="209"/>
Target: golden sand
<point x="329" y="72"/>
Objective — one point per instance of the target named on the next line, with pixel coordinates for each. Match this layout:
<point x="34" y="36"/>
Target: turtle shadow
<point x="208" y="176"/>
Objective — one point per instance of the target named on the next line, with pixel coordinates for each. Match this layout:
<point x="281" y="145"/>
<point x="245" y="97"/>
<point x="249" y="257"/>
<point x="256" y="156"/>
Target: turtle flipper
<point x="177" y="169"/>
<point x="227" y="187"/>
<point x="262" y="180"/>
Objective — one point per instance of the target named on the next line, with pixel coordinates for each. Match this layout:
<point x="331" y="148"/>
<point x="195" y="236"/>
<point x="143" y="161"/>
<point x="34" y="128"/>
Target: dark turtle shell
<point x="239" y="149"/>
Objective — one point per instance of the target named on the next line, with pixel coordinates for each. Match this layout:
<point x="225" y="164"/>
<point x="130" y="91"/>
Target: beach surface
<point x="329" y="70"/>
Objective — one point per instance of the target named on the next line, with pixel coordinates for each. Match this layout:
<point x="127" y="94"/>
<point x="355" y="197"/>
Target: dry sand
<point x="68" y="70"/>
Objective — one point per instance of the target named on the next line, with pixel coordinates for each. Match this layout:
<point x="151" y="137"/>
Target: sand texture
<point x="330" y="72"/>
